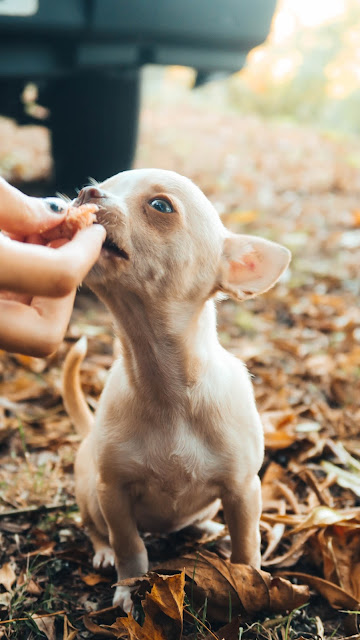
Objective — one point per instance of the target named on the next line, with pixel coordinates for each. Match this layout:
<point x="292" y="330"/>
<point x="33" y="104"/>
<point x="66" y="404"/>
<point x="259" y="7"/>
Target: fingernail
<point x="56" y="207"/>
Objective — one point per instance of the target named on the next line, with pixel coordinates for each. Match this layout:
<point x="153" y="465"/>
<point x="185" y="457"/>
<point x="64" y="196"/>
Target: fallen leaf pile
<point x="301" y="343"/>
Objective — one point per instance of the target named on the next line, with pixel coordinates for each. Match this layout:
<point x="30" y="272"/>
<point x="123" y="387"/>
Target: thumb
<point x="50" y="212"/>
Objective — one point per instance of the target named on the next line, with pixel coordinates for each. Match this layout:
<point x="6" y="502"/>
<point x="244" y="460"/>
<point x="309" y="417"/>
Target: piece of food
<point x="76" y="218"/>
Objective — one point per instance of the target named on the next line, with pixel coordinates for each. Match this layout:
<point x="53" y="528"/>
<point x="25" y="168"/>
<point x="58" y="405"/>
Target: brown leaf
<point x="45" y="550"/>
<point x="70" y="632"/>
<point x="97" y="630"/>
<point x="91" y="579"/>
<point x="339" y="548"/>
<point x="230" y="631"/>
<point x="337" y="597"/>
<point x="163" y="609"/>
<point x="279" y="440"/>
<point x="284" y="596"/>
<point x="30" y="585"/>
<point x="47" y="626"/>
<point x="324" y="516"/>
<point x="294" y="552"/>
<point x="167" y="594"/>
<point x="149" y="631"/>
<point x="7" y="576"/>
<point x="278" y="429"/>
<point x="245" y="589"/>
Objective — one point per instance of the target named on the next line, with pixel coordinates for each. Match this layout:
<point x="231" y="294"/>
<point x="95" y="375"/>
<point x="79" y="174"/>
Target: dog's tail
<point x="73" y="396"/>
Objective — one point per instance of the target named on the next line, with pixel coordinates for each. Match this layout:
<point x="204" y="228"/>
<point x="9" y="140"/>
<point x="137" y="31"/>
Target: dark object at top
<point x="96" y="47"/>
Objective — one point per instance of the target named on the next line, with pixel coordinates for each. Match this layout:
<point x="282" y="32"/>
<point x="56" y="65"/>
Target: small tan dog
<point x="176" y="429"/>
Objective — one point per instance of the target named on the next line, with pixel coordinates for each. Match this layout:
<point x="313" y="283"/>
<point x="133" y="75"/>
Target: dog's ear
<point x="250" y="265"/>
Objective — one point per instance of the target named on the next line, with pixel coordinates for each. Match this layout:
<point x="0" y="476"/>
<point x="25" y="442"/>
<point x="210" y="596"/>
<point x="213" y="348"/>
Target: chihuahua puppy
<point x="176" y="430"/>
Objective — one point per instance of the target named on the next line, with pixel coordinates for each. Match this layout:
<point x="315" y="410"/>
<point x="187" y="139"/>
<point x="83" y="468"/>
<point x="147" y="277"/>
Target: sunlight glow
<point x="292" y="14"/>
<point x="278" y="60"/>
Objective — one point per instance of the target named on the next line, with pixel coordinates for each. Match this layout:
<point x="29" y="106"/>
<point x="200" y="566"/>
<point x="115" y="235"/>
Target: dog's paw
<point x="212" y="528"/>
<point x="104" y="558"/>
<point x="122" y="598"/>
<point x="223" y="547"/>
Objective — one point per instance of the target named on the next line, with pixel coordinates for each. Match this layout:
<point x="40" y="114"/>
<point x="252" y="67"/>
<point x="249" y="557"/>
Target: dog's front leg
<point x="131" y="558"/>
<point x="242" y="509"/>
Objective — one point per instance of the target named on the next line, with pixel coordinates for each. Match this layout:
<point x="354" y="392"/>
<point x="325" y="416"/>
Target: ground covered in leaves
<point x="300" y="341"/>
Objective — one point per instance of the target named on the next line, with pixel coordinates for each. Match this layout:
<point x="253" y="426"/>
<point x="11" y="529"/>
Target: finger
<point x="45" y="214"/>
<point x="44" y="271"/>
<point x="35" y="330"/>
<point x="19" y="297"/>
<point x="85" y="248"/>
<point x="55" y="244"/>
<point x="35" y="238"/>
<point x="22" y="215"/>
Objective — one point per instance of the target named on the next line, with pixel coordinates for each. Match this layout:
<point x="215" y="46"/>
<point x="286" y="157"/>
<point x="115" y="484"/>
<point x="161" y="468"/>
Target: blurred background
<point x="307" y="71"/>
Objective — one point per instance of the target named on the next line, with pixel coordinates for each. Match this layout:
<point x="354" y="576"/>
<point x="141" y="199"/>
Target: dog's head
<point x="166" y="240"/>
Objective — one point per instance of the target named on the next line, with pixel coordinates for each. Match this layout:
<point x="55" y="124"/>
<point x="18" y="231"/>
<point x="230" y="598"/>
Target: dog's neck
<point x="166" y="347"/>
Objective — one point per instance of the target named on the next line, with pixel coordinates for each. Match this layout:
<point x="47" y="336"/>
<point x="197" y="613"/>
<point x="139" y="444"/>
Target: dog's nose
<point x="89" y="193"/>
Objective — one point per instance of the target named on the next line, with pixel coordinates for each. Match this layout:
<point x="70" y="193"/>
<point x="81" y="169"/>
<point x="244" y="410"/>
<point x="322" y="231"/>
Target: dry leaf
<point x="346" y="479"/>
<point x="278" y="429"/>
<point x="339" y="548"/>
<point x="91" y="579"/>
<point x="70" y="632"/>
<point x="324" y="516"/>
<point x="292" y="555"/>
<point x="99" y="631"/>
<point x="276" y="440"/>
<point x="5" y="600"/>
<point x="31" y="586"/>
<point x="249" y="590"/>
<point x="7" y="576"/>
<point x="337" y="597"/>
<point x="45" y="550"/>
<point x="163" y="608"/>
<point x="167" y="594"/>
<point x="47" y="626"/>
<point x="230" y="631"/>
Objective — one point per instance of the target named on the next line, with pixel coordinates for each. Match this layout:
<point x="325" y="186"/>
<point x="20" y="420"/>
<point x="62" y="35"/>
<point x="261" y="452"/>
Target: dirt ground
<point x="301" y="343"/>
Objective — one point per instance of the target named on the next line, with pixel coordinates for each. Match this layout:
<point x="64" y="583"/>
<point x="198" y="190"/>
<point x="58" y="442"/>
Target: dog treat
<point x="77" y="218"/>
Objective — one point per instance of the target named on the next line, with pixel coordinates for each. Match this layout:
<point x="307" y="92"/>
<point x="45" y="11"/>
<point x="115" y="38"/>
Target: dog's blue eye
<point x="161" y="205"/>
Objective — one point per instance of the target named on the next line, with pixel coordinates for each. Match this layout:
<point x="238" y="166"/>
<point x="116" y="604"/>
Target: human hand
<point x="22" y="215"/>
<point x="39" y="281"/>
<point x="45" y="271"/>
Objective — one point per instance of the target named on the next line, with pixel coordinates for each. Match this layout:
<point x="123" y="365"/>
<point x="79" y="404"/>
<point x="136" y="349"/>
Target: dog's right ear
<point x="250" y="265"/>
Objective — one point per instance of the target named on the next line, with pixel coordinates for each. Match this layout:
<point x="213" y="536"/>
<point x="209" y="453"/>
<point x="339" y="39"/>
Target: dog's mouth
<point x="113" y="249"/>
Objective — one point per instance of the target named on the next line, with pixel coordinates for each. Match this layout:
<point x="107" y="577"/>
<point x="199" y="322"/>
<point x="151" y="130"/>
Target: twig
<point x="13" y="513"/>
<point x="35" y="617"/>
<point x="94" y="614"/>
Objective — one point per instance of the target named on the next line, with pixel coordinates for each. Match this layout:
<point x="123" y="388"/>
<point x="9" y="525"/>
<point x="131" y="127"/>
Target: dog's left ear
<point x="250" y="265"/>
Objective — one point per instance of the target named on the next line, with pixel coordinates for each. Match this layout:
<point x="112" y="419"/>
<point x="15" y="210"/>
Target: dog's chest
<point x="171" y="458"/>
<point x="177" y="479"/>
